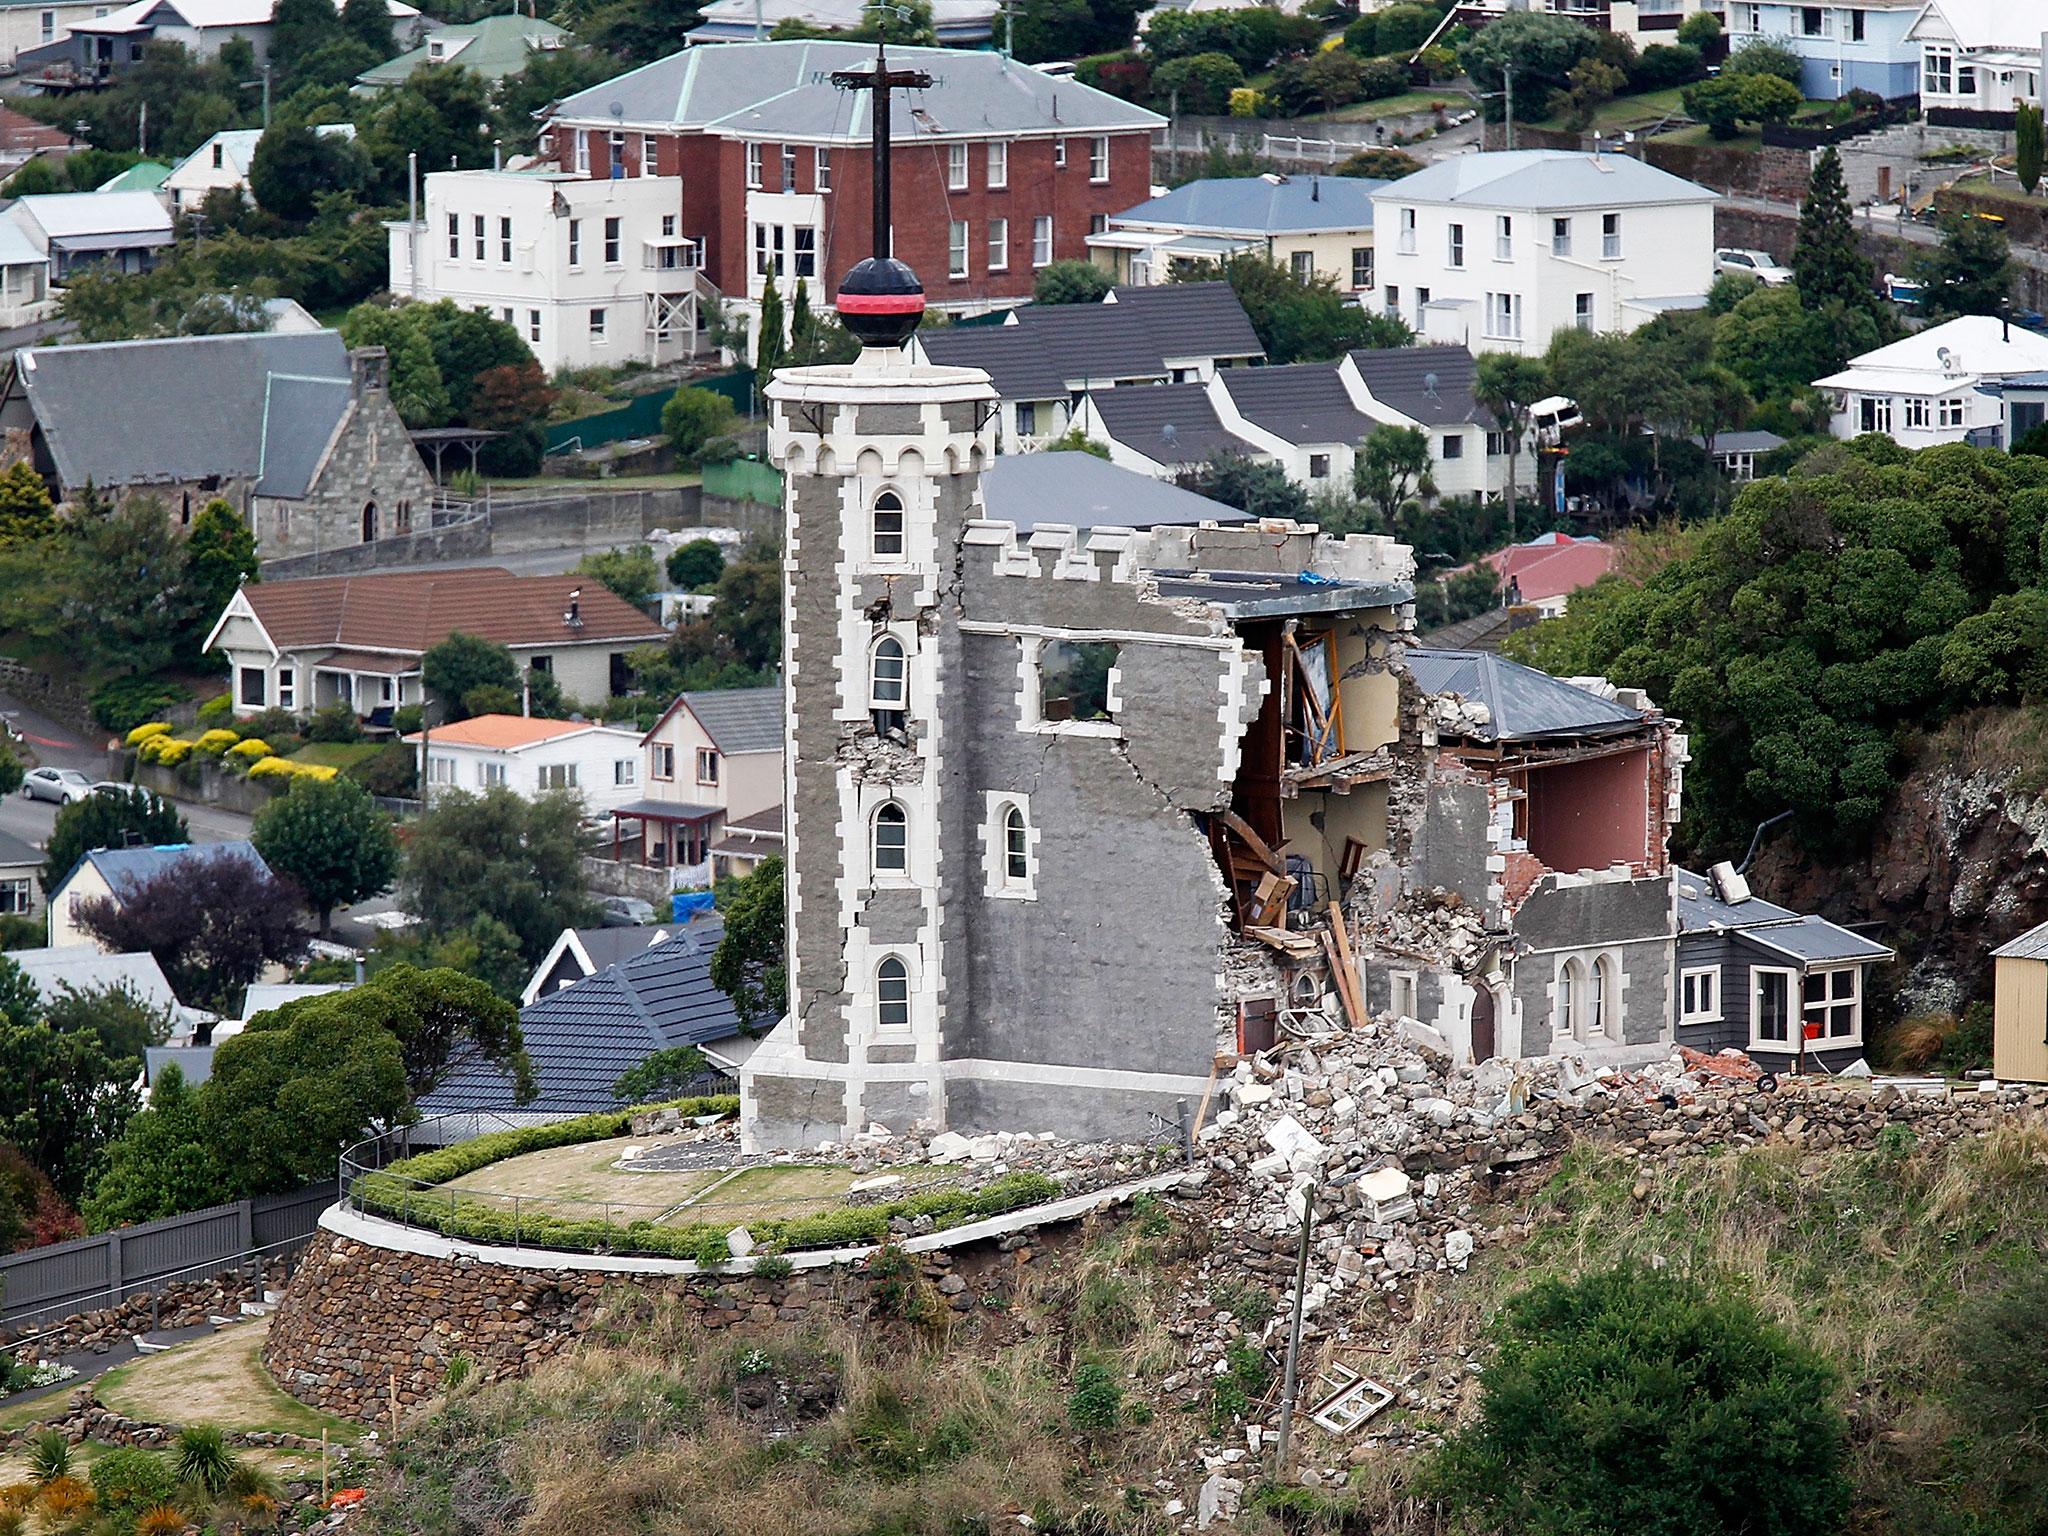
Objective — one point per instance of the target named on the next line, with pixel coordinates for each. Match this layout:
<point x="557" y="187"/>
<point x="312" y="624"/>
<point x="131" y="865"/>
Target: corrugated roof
<point x="411" y="611"/>
<point x="1170" y="424"/>
<point x="1431" y="385"/>
<point x="2031" y="945"/>
<point x="786" y="88"/>
<point x="1078" y="490"/>
<point x="189" y="407"/>
<point x="1543" y="179"/>
<point x="1259" y="205"/>
<point x="126" y="869"/>
<point x="740" y="720"/>
<point x="583" y="1037"/>
<point x="1524" y="703"/>
<point x="1699" y="909"/>
<point x="86" y="968"/>
<point x="194" y="1062"/>
<point x="504" y="732"/>
<point x="492" y="48"/>
<point x="1814" y="941"/>
<point x="262" y="996"/>
<point x="78" y="214"/>
<point x="1302" y="402"/>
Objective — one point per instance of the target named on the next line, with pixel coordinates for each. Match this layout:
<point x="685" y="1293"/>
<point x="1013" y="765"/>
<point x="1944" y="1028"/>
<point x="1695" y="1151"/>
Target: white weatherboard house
<point x="72" y="230"/>
<point x="591" y="271"/>
<point x="1499" y="252"/>
<point x="597" y="764"/>
<point x="1939" y="385"/>
<point x="222" y="164"/>
<point x="1978" y="55"/>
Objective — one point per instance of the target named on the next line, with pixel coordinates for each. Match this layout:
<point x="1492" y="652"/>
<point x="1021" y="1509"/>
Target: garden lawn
<point x="585" y="1171"/>
<point x="1393" y="106"/>
<point x="776" y="1194"/>
<point x="218" y="1379"/>
<point x="338" y="755"/>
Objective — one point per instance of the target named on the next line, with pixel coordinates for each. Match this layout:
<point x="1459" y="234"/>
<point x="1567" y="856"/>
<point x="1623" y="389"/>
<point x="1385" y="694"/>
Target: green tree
<point x="1970" y="273"/>
<point x="1335" y="76"/>
<point x="293" y="166"/>
<point x="494" y="854"/>
<point x="1263" y="490"/>
<point x="551" y="74"/>
<point x="1074" y="440"/>
<point x="1765" y="56"/>
<point x="1200" y="84"/>
<point x="123" y="1023"/>
<point x="418" y="393"/>
<point x="513" y="400"/>
<point x="1777" y="346"/>
<point x="1507" y="385"/>
<point x="12" y="772"/>
<point x="747" y="610"/>
<point x="283" y="1102"/>
<point x="162" y="1164"/>
<point x="1827" y="264"/>
<point x="771" y="350"/>
<point x="1542" y="48"/>
<point x="696" y="564"/>
<point x="456" y="668"/>
<point x="26" y="511"/>
<point x="467" y="345"/>
<point x="750" y="964"/>
<point x="441" y="114"/>
<point x="693" y="417"/>
<point x="328" y="838"/>
<point x="110" y="819"/>
<point x="220" y="555"/>
<point x="1729" y="1423"/>
<point x="437" y="1017"/>
<point x="1700" y="29"/>
<point x="1071" y="282"/>
<point x="368" y="23"/>
<point x="110" y="590"/>
<point x="1297" y="321"/>
<point x="630" y="574"/>
<point x="2027" y="139"/>
<point x="1392" y="465"/>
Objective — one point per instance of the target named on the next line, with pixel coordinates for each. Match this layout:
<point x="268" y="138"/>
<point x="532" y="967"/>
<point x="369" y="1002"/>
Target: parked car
<point x="63" y="785"/>
<point x="626" y="911"/>
<point x="1758" y="264"/>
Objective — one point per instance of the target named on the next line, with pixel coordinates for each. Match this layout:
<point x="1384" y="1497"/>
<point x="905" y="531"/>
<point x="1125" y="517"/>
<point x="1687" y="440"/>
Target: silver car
<point x="62" y="785"/>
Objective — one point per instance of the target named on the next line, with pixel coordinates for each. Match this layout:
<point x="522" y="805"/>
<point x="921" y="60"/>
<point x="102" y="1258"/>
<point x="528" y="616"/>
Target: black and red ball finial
<point x="881" y="302"/>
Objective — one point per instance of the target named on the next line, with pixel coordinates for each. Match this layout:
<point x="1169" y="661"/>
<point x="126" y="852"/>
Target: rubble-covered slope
<point x="1125" y="1376"/>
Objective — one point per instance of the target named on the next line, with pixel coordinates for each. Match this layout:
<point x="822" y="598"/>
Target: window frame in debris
<point x="884" y="978"/>
<point x="1703" y="982"/>
<point x="1794" y="1010"/>
<point x="899" y="871"/>
<point x="1404" y="985"/>
<point x="1036" y="697"/>
<point x="889" y="502"/>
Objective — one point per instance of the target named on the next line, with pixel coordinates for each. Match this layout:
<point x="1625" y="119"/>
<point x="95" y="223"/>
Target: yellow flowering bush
<point x="144" y="732"/>
<point x="169" y="751"/>
<point x="1246" y="101"/>
<point x="319" y="773"/>
<point x="249" y="748"/>
<point x="217" y="741"/>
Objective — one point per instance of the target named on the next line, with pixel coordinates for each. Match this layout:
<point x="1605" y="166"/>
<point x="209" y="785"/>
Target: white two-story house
<point x="1978" y="56"/>
<point x="598" y="764"/>
<point x="713" y="761"/>
<point x="591" y="271"/>
<point x="1499" y="252"/>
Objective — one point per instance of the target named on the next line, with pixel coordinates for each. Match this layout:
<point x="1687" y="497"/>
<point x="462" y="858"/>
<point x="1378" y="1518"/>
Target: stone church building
<point x="294" y="431"/>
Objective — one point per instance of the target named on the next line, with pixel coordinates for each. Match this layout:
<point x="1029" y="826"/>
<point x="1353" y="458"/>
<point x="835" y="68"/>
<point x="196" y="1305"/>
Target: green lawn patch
<point x="339" y="755"/>
<point x="1644" y="110"/>
<point x="1696" y="133"/>
<point x="1395" y="106"/>
<point x="218" y="1379"/>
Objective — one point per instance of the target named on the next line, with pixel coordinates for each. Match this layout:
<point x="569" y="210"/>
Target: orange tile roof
<point x="1554" y="565"/>
<point x="503" y="732"/>
<point x="412" y="611"/>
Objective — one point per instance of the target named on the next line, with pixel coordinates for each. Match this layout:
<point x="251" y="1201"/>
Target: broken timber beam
<point x="1347" y="974"/>
<point x="1257" y="844"/>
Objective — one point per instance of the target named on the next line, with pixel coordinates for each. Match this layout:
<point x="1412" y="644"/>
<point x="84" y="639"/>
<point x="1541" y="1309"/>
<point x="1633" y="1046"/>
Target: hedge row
<point x="446" y="1163"/>
<point x="846" y="1227"/>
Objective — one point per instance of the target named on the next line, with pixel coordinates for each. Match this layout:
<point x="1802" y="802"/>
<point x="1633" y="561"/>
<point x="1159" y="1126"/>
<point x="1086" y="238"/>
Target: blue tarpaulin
<point x="686" y="904"/>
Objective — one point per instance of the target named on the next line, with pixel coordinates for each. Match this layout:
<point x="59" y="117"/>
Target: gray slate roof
<point x="184" y="407"/>
<point x="740" y="720"/>
<point x="583" y="1037"/>
<point x="194" y="1061"/>
<point x="1806" y="938"/>
<point x="1545" y="179"/>
<point x="14" y="851"/>
<point x="1260" y="205"/>
<point x="1758" y="441"/>
<point x="125" y="869"/>
<point x="1432" y="385"/>
<point x="1078" y="490"/>
<point x="1525" y="704"/>
<point x="87" y="968"/>
<point x="1301" y="402"/>
<point x="1168" y="423"/>
<point x="784" y="88"/>
<point x="1137" y="334"/>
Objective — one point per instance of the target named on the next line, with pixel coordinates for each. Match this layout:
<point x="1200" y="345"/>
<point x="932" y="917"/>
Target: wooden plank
<point x="1329" y="943"/>
<point x="1202" y="1110"/>
<point x="1261" y="850"/>
<point x="1347" y="976"/>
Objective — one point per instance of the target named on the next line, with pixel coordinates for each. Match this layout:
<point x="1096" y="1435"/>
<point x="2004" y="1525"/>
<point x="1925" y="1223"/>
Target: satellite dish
<point x="1170" y="432"/>
<point x="1429" y="385"/>
<point x="1946" y="358"/>
<point x="618" y="110"/>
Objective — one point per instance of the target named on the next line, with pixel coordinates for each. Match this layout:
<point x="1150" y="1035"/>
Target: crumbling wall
<point x="1630" y="921"/>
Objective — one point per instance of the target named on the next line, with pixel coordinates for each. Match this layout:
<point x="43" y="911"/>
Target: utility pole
<point x="1291" y="1378"/>
<point x="1507" y="76"/>
<point x="142" y="130"/>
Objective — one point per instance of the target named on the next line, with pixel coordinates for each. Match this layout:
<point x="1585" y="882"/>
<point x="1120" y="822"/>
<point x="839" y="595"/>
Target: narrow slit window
<point x="888" y="529"/>
<point x="1016" y="847"/>
<point x="892" y="840"/>
<point x="892" y="994"/>
<point x="886" y="681"/>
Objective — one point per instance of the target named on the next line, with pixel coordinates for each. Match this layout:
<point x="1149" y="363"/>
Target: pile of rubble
<point x="1397" y="1152"/>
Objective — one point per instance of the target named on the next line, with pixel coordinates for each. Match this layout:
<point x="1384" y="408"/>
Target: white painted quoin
<point x="591" y="272"/>
<point x="597" y="764"/>
<point x="1501" y="251"/>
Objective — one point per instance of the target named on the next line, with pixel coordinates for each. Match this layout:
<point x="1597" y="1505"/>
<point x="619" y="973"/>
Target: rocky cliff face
<point x="1958" y="865"/>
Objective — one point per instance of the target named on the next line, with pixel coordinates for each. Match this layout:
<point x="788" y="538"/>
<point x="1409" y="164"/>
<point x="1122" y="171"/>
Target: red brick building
<point x="997" y="169"/>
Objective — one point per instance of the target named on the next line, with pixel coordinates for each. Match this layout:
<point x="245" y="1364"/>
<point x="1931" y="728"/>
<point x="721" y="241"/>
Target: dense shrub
<point x="481" y="1151"/>
<point x="127" y="1481"/>
<point x="1663" y="65"/>
<point x="122" y="703"/>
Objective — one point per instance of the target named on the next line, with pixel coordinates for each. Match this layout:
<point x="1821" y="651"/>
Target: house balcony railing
<point x="672" y="253"/>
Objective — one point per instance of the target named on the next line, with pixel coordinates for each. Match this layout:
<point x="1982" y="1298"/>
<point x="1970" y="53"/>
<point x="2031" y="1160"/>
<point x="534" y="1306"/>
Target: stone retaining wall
<point x="356" y="1316"/>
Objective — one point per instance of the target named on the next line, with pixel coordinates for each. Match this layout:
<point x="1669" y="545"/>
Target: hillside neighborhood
<point x="938" y="768"/>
